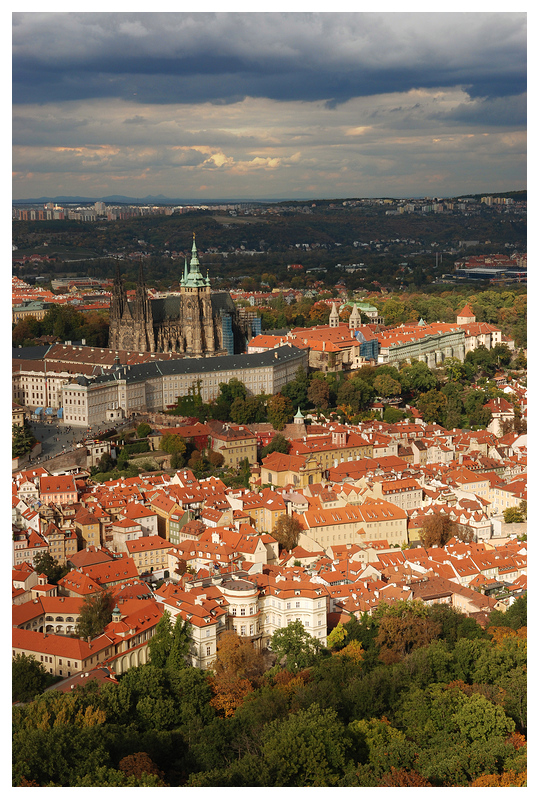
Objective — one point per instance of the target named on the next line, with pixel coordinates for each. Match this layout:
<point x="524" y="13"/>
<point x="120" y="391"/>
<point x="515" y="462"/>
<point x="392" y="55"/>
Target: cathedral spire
<point x="140" y="282"/>
<point x="183" y="281"/>
<point x="118" y="293"/>
<point x="194" y="278"/>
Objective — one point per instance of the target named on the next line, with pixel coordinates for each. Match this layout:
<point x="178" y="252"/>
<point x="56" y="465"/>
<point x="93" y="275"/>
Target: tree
<point x="478" y="415"/>
<point x="508" y="779"/>
<point x="385" y="386"/>
<point x="353" y="650"/>
<point x="105" y="463"/>
<point x="277" y="444"/>
<point x="296" y="645"/>
<point x="432" y="405"/>
<point x="237" y="669"/>
<point x="216" y="458"/>
<point x="228" y="392"/>
<point x="79" y="708"/>
<point x="160" y="643"/>
<point x="481" y="361"/>
<point x="403" y="627"/>
<point x="401" y="778"/>
<point x="297" y="390"/>
<point x="280" y="411"/>
<point x="287" y="531"/>
<point x="454" y="369"/>
<point x="308" y="748"/>
<point x="49" y="566"/>
<point x="513" y="516"/>
<point x="95" y="614"/>
<point x="179" y="648"/>
<point x="392" y="415"/>
<point x="318" y="393"/>
<point x="336" y="638"/>
<point x="177" y="461"/>
<point x="515" y="617"/>
<point x="22" y="439"/>
<point x="28" y="678"/>
<point x="106" y="777"/>
<point x="437" y="529"/>
<point x="138" y="765"/>
<point x="418" y="377"/>
<point x="481" y="720"/>
<point x="356" y="393"/>
<point x="173" y="444"/>
<point x="169" y="646"/>
<point x="143" y="430"/>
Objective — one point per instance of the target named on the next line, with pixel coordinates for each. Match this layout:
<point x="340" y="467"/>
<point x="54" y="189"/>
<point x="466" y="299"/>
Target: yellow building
<point x="165" y="508"/>
<point x="234" y="442"/>
<point x="18" y="414"/>
<point x="149" y="553"/>
<point x="334" y="448"/>
<point x="88" y="529"/>
<point x="296" y="470"/>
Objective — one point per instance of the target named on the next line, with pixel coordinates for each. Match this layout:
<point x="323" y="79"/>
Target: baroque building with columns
<point x="198" y="321"/>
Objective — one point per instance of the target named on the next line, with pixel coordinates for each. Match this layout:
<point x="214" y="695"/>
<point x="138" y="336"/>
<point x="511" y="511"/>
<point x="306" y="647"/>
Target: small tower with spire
<point x="334" y="317"/>
<point x="354" y="322"/>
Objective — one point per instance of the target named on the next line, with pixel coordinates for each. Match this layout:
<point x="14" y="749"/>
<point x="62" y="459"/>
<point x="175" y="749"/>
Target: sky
<point x="265" y="105"/>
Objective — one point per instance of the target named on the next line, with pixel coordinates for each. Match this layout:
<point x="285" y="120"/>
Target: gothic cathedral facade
<point x="198" y="322"/>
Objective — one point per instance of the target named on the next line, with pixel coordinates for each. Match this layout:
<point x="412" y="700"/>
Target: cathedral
<point x="198" y="322"/>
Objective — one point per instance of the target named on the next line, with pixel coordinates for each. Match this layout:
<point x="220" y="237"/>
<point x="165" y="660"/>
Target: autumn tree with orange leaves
<point x="138" y="764"/>
<point x="237" y="670"/>
<point x="401" y="778"/>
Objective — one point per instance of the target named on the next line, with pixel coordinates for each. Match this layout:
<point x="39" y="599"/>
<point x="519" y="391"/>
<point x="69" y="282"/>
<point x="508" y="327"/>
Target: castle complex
<point x="197" y="322"/>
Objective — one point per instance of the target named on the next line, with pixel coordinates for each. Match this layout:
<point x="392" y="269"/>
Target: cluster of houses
<point x="361" y="494"/>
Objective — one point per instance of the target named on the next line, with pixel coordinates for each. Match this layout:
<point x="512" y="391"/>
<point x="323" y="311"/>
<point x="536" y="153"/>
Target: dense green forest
<point x="326" y="224"/>
<point x="413" y="695"/>
<point x="396" y="251"/>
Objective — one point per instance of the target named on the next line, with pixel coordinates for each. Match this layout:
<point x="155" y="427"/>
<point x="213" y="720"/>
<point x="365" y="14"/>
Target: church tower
<point x="354" y="321"/>
<point x="142" y="316"/>
<point x="334" y="317"/>
<point x="196" y="323"/>
<point x="120" y="314"/>
<point x="196" y="308"/>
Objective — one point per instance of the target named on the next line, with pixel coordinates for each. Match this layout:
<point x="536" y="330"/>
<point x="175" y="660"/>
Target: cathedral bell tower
<point x="142" y="316"/>
<point x="196" y="308"/>
<point x="119" y="311"/>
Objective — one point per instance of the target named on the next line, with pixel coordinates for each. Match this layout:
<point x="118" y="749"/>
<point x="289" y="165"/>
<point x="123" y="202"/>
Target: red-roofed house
<point x="60" y="655"/>
<point x="149" y="553"/>
<point x="57" y="489"/>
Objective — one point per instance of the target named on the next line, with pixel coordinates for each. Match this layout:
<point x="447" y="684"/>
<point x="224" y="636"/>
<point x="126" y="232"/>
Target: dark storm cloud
<point x="222" y="58"/>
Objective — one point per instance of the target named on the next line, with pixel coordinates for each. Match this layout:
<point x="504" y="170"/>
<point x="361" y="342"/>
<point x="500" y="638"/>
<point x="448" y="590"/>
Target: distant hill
<point x="150" y="198"/>
<point x="160" y="199"/>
